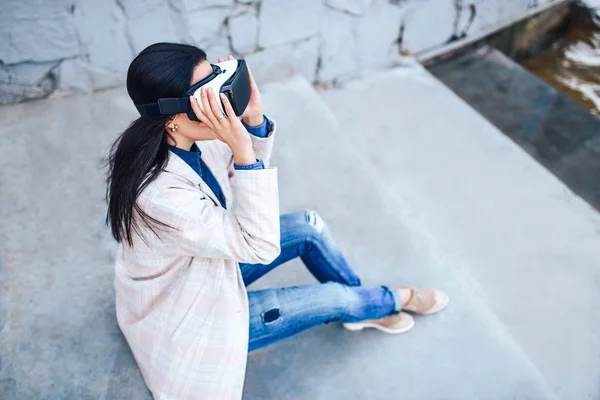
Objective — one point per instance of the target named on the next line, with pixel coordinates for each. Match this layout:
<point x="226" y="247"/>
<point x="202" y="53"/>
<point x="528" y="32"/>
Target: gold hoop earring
<point x="174" y="128"/>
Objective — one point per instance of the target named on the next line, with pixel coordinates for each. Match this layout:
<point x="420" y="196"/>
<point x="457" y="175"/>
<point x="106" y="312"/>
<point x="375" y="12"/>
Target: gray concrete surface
<point x="66" y="46"/>
<point x="555" y="130"/>
<point x="531" y="244"/>
<point x="417" y="188"/>
<point x="58" y="334"/>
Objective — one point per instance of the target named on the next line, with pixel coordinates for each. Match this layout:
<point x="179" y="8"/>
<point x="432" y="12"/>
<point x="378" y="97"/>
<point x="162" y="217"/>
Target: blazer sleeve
<point x="263" y="148"/>
<point x="250" y="235"/>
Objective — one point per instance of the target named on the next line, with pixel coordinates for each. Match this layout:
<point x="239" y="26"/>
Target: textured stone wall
<point x="71" y="46"/>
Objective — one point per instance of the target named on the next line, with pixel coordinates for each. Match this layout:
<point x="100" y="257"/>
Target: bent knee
<point x="314" y="220"/>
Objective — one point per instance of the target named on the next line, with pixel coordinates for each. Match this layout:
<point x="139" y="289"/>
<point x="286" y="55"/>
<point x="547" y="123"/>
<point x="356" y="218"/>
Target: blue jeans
<point x="276" y="314"/>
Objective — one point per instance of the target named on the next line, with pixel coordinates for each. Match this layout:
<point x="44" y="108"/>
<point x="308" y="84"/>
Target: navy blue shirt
<point x="194" y="160"/>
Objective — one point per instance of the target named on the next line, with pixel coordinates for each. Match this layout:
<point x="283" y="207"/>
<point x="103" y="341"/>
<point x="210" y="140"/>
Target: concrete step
<point x="531" y="244"/>
<point x="59" y="338"/>
<point x="555" y="130"/>
<point x="462" y="353"/>
<point x="58" y="334"/>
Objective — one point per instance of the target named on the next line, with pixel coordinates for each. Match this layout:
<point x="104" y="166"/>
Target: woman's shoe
<point x="393" y="324"/>
<point x="425" y="301"/>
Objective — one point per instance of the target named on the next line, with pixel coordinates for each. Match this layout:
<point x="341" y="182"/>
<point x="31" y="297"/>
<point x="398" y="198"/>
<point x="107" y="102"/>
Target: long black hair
<point x="140" y="153"/>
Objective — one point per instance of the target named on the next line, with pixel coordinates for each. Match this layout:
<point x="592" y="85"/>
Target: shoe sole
<point x="359" y="326"/>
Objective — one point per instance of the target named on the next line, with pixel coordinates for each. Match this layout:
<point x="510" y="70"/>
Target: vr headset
<point x="229" y="77"/>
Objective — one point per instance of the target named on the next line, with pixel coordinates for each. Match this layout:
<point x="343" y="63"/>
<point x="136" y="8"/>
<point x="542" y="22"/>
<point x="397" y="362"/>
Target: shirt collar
<point x="191" y="156"/>
<point x="192" y="149"/>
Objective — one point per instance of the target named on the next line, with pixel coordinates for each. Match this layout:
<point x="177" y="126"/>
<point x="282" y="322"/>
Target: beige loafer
<point x="393" y="324"/>
<point x="425" y="301"/>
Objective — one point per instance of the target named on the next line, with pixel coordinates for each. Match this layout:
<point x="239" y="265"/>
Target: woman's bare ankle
<point x="405" y="294"/>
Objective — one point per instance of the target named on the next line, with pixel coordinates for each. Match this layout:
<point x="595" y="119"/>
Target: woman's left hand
<point x="253" y="115"/>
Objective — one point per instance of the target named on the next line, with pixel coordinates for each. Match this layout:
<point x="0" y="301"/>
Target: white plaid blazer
<point x="181" y="302"/>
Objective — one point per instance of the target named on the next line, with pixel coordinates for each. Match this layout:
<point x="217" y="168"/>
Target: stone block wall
<point x="67" y="46"/>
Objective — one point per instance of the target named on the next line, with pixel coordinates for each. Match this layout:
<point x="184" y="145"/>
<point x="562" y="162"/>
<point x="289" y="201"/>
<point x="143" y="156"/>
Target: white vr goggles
<point x="229" y="77"/>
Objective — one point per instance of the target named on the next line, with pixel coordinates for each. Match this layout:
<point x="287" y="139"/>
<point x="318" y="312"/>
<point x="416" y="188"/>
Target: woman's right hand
<point x="227" y="128"/>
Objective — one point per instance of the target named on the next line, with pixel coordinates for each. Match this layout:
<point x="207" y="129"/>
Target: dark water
<point x="572" y="64"/>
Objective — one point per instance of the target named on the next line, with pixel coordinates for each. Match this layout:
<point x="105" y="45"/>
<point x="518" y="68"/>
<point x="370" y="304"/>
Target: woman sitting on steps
<point x="186" y="255"/>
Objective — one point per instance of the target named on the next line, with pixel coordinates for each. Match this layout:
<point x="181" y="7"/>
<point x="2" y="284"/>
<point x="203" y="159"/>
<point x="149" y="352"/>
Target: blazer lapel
<point x="208" y="191"/>
<point x="212" y="158"/>
<point x="179" y="167"/>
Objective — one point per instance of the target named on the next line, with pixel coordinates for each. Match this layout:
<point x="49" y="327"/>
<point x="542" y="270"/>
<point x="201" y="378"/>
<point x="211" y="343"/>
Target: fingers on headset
<point x="206" y="105"/>
<point x="220" y="59"/>
<point x="195" y="106"/>
<point x="201" y="110"/>
<point x="253" y="85"/>
<point x="228" y="108"/>
<point x="198" y="111"/>
<point x="214" y="103"/>
<point x="230" y="57"/>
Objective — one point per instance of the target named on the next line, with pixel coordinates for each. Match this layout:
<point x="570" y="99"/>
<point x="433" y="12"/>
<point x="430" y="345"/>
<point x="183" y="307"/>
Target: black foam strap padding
<point x="165" y="106"/>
